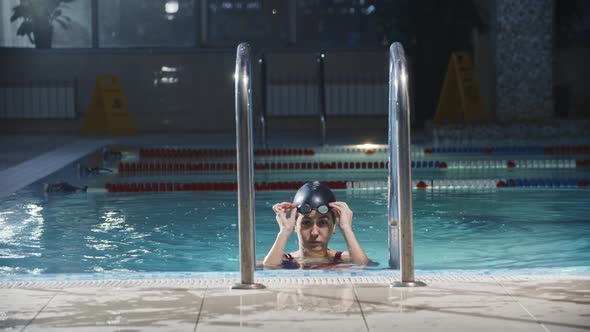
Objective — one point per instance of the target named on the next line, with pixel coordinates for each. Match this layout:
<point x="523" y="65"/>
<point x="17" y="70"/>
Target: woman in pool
<point x="313" y="216"/>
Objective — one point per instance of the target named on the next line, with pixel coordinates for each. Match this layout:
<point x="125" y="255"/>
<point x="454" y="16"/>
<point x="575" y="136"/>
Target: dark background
<point x="136" y="39"/>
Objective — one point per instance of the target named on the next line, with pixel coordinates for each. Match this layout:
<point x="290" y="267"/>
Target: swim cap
<point x="313" y="196"/>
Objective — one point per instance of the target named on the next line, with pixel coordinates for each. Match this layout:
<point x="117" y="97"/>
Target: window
<point x="140" y="23"/>
<point x="213" y="23"/>
<point x="259" y="22"/>
<point x="339" y="23"/>
<point x="70" y="28"/>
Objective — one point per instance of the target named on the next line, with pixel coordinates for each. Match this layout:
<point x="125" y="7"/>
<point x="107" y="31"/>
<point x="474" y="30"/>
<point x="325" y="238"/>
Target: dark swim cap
<point x="313" y="196"/>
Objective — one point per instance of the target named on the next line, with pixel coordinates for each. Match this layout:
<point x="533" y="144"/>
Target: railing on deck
<point x="401" y="238"/>
<point x="262" y="68"/>
<point x="245" y="168"/>
<point x="322" y="96"/>
<point x="401" y="246"/>
<point x="328" y="86"/>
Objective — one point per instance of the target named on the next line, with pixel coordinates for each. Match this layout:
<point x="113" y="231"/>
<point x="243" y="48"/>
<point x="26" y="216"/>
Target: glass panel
<point x="259" y="22"/>
<point x="572" y="23"/>
<point x="141" y="23"/>
<point x="70" y="23"/>
<point x="339" y="23"/>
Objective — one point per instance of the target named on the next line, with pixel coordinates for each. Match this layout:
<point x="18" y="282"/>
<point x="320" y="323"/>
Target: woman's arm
<point x="355" y="251"/>
<point x="286" y="223"/>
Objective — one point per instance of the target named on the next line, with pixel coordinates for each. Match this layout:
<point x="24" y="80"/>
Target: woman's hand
<point x="344" y="213"/>
<point x="286" y="222"/>
<point x="286" y="217"/>
<point x="355" y="253"/>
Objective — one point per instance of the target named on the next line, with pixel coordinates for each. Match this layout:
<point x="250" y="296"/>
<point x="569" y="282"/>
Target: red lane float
<point x="421" y="185"/>
<point x="143" y="167"/>
<point x="209" y="186"/>
<point x="163" y="167"/>
<point x="184" y="153"/>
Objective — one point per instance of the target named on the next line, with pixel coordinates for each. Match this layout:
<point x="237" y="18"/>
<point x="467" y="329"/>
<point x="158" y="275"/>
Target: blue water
<point x="89" y="233"/>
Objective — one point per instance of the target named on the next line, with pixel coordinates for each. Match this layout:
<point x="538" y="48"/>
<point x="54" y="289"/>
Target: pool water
<point x="466" y="230"/>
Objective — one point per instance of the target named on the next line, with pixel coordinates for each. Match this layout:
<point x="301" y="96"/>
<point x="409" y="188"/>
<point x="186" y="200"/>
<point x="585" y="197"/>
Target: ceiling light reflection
<point x="171" y="7"/>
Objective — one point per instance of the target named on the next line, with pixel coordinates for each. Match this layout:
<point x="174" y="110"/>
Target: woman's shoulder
<point x="341" y="256"/>
<point x="334" y="253"/>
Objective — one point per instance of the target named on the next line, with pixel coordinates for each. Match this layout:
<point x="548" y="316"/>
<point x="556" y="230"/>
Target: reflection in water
<point x="6" y="232"/>
<point x="111" y="221"/>
<point x="36" y="221"/>
<point x="20" y="233"/>
<point x="336" y="299"/>
<point x="16" y="227"/>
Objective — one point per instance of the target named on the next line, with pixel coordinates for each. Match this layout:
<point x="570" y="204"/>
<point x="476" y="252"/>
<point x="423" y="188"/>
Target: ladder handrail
<point x="245" y="167"/>
<point x="322" y="96"/>
<point x="401" y="241"/>
<point x="262" y="117"/>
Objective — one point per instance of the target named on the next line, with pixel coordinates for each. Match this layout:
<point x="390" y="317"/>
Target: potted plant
<point x="38" y="17"/>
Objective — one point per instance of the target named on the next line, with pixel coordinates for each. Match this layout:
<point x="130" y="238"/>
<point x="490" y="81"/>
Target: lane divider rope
<point x="156" y="167"/>
<point x="210" y="186"/>
<point x="183" y="153"/>
<point x="537" y="183"/>
<point x="189" y="153"/>
<point x="547" y="150"/>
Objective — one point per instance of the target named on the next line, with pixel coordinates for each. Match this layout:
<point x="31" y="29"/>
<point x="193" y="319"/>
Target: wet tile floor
<point x="490" y="304"/>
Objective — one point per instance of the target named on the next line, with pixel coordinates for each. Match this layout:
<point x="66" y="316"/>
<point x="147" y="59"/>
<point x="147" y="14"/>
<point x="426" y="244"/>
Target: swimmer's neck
<point x="304" y="253"/>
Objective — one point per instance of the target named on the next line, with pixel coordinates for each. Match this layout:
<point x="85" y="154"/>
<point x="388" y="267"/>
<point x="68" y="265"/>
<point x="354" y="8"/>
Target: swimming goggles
<point x="306" y="208"/>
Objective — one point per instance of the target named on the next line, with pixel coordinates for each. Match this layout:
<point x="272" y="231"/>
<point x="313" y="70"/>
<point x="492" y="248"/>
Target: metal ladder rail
<point x="401" y="241"/>
<point x="245" y="168"/>
<point x="322" y="96"/>
<point x="262" y="116"/>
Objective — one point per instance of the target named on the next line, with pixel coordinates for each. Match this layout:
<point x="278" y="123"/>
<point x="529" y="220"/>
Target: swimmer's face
<point x="314" y="230"/>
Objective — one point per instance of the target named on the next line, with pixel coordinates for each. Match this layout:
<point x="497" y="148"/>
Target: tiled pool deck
<point x="448" y="303"/>
<point x="291" y="302"/>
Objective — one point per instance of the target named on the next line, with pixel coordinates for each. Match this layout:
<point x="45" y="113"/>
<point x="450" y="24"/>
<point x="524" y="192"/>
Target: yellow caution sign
<point x="460" y="100"/>
<point x="107" y="113"/>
